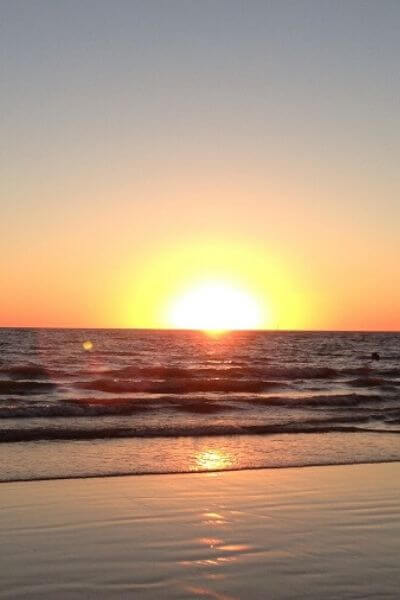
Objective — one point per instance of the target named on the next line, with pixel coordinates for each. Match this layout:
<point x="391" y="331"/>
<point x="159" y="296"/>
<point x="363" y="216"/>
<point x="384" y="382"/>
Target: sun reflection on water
<point x="213" y="460"/>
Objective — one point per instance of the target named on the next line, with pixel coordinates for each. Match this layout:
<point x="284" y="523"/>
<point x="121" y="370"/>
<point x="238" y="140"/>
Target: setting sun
<point x="215" y="306"/>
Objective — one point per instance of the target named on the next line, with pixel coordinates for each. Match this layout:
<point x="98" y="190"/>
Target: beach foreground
<point x="317" y="532"/>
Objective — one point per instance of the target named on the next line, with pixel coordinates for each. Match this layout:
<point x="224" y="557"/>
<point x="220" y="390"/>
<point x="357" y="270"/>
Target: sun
<point x="215" y="306"/>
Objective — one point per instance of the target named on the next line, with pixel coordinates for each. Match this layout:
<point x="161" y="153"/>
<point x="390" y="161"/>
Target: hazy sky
<point x="137" y="135"/>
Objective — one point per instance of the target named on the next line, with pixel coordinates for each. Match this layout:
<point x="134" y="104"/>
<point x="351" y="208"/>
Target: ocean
<point x="82" y="403"/>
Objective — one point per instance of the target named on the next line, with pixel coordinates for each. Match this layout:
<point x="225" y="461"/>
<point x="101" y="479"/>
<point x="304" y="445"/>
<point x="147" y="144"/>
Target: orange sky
<point x="152" y="148"/>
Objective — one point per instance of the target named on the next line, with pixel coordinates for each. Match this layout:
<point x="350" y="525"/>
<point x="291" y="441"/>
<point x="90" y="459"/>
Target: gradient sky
<point x="142" y="140"/>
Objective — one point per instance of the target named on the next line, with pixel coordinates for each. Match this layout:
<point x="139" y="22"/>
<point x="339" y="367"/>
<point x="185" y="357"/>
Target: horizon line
<point x="171" y="329"/>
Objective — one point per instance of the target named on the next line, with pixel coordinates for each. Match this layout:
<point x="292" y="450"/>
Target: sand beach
<point x="328" y="532"/>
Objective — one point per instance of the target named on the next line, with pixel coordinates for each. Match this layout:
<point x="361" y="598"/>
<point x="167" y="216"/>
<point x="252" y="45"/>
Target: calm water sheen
<point x="93" y="402"/>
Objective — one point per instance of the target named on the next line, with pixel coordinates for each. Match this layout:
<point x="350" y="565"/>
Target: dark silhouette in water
<point x="375" y="356"/>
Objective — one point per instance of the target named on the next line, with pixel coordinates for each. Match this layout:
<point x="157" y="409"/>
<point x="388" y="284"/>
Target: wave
<point x="231" y="369"/>
<point x="23" y="388"/>
<point x="99" y="407"/>
<point x="365" y="375"/>
<point x="26" y="371"/>
<point x="177" y="386"/>
<point x="322" y="400"/>
<point x="299" y="464"/>
<point x="101" y="433"/>
<point x="241" y="371"/>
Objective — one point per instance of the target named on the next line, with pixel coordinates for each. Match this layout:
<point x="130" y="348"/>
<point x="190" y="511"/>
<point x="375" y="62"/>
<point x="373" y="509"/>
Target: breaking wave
<point x="97" y="407"/>
<point x="56" y="433"/>
<point x="226" y="369"/>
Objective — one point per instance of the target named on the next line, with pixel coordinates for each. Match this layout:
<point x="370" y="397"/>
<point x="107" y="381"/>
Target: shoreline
<point x="200" y="472"/>
<point x="130" y="457"/>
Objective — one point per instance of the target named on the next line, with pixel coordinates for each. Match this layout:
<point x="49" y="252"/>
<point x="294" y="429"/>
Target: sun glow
<point x="215" y="306"/>
<point x="210" y="284"/>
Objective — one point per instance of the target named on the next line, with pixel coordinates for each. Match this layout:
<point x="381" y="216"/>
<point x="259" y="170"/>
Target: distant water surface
<point x="100" y="402"/>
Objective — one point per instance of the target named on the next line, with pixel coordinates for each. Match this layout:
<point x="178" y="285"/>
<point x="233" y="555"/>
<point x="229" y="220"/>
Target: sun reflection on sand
<point x="210" y="542"/>
<point x="206" y="592"/>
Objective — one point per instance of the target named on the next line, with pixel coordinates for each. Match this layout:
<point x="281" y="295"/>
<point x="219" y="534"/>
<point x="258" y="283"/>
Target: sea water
<point x="78" y="403"/>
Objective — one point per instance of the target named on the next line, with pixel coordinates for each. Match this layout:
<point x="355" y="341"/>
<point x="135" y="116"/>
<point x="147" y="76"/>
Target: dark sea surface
<point x="103" y="402"/>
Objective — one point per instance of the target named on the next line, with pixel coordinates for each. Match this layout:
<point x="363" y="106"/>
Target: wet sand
<point x="316" y="532"/>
